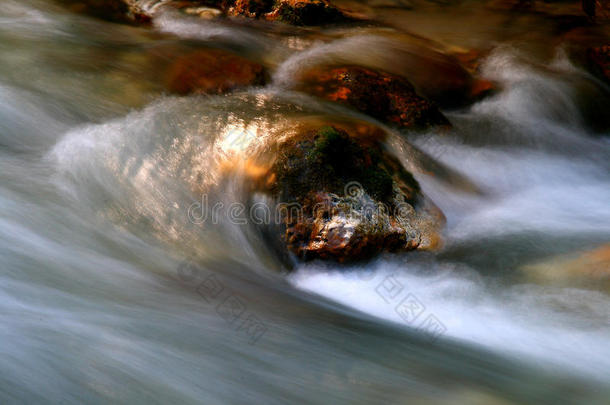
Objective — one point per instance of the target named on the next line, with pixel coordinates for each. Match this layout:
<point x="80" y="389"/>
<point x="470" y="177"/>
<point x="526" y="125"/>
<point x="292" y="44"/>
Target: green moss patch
<point x="328" y="159"/>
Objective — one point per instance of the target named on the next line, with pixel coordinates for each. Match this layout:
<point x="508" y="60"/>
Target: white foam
<point x="551" y="327"/>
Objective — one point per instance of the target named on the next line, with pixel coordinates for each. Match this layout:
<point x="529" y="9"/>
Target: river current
<point x="110" y="291"/>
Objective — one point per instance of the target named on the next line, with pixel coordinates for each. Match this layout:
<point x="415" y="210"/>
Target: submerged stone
<point x="213" y="71"/>
<point x="590" y="269"/>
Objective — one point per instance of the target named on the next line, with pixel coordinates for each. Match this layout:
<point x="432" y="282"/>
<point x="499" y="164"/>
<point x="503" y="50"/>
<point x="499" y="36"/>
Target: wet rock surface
<point x="213" y="71"/>
<point x="307" y="12"/>
<point x="346" y="198"/>
<point x="295" y="12"/>
<point x="590" y="269"/>
<point x="387" y="97"/>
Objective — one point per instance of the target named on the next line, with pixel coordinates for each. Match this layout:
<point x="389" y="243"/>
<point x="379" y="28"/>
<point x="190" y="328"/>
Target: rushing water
<point x="100" y="266"/>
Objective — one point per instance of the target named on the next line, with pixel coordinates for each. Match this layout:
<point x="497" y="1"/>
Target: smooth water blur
<point x="101" y="269"/>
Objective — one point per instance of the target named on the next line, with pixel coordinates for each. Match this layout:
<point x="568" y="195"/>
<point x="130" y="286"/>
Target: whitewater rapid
<point x="99" y="166"/>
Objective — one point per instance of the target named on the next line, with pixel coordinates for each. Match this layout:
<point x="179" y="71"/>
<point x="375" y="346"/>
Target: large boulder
<point x="346" y="198"/>
<point x="213" y="71"/>
<point x="387" y="97"/>
<point x="438" y="76"/>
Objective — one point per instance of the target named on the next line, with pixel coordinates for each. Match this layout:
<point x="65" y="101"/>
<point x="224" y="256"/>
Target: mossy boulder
<point x="389" y="98"/>
<point x="353" y="199"/>
<point x="213" y="71"/>
<point x="327" y="159"/>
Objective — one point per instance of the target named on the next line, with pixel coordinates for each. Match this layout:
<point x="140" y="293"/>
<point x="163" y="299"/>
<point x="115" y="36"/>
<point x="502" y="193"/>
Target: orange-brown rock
<point x="471" y="61"/>
<point x="346" y="198"/>
<point x="387" y="97"/>
<point x="307" y="12"/>
<point x="590" y="269"/>
<point x="438" y="76"/>
<point x="251" y="8"/>
<point x="213" y="71"/>
<point x="125" y="11"/>
<point x="295" y="12"/>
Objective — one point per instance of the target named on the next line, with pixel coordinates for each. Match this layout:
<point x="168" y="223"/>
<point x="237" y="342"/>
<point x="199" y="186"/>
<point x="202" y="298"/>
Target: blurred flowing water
<point x="101" y="269"/>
